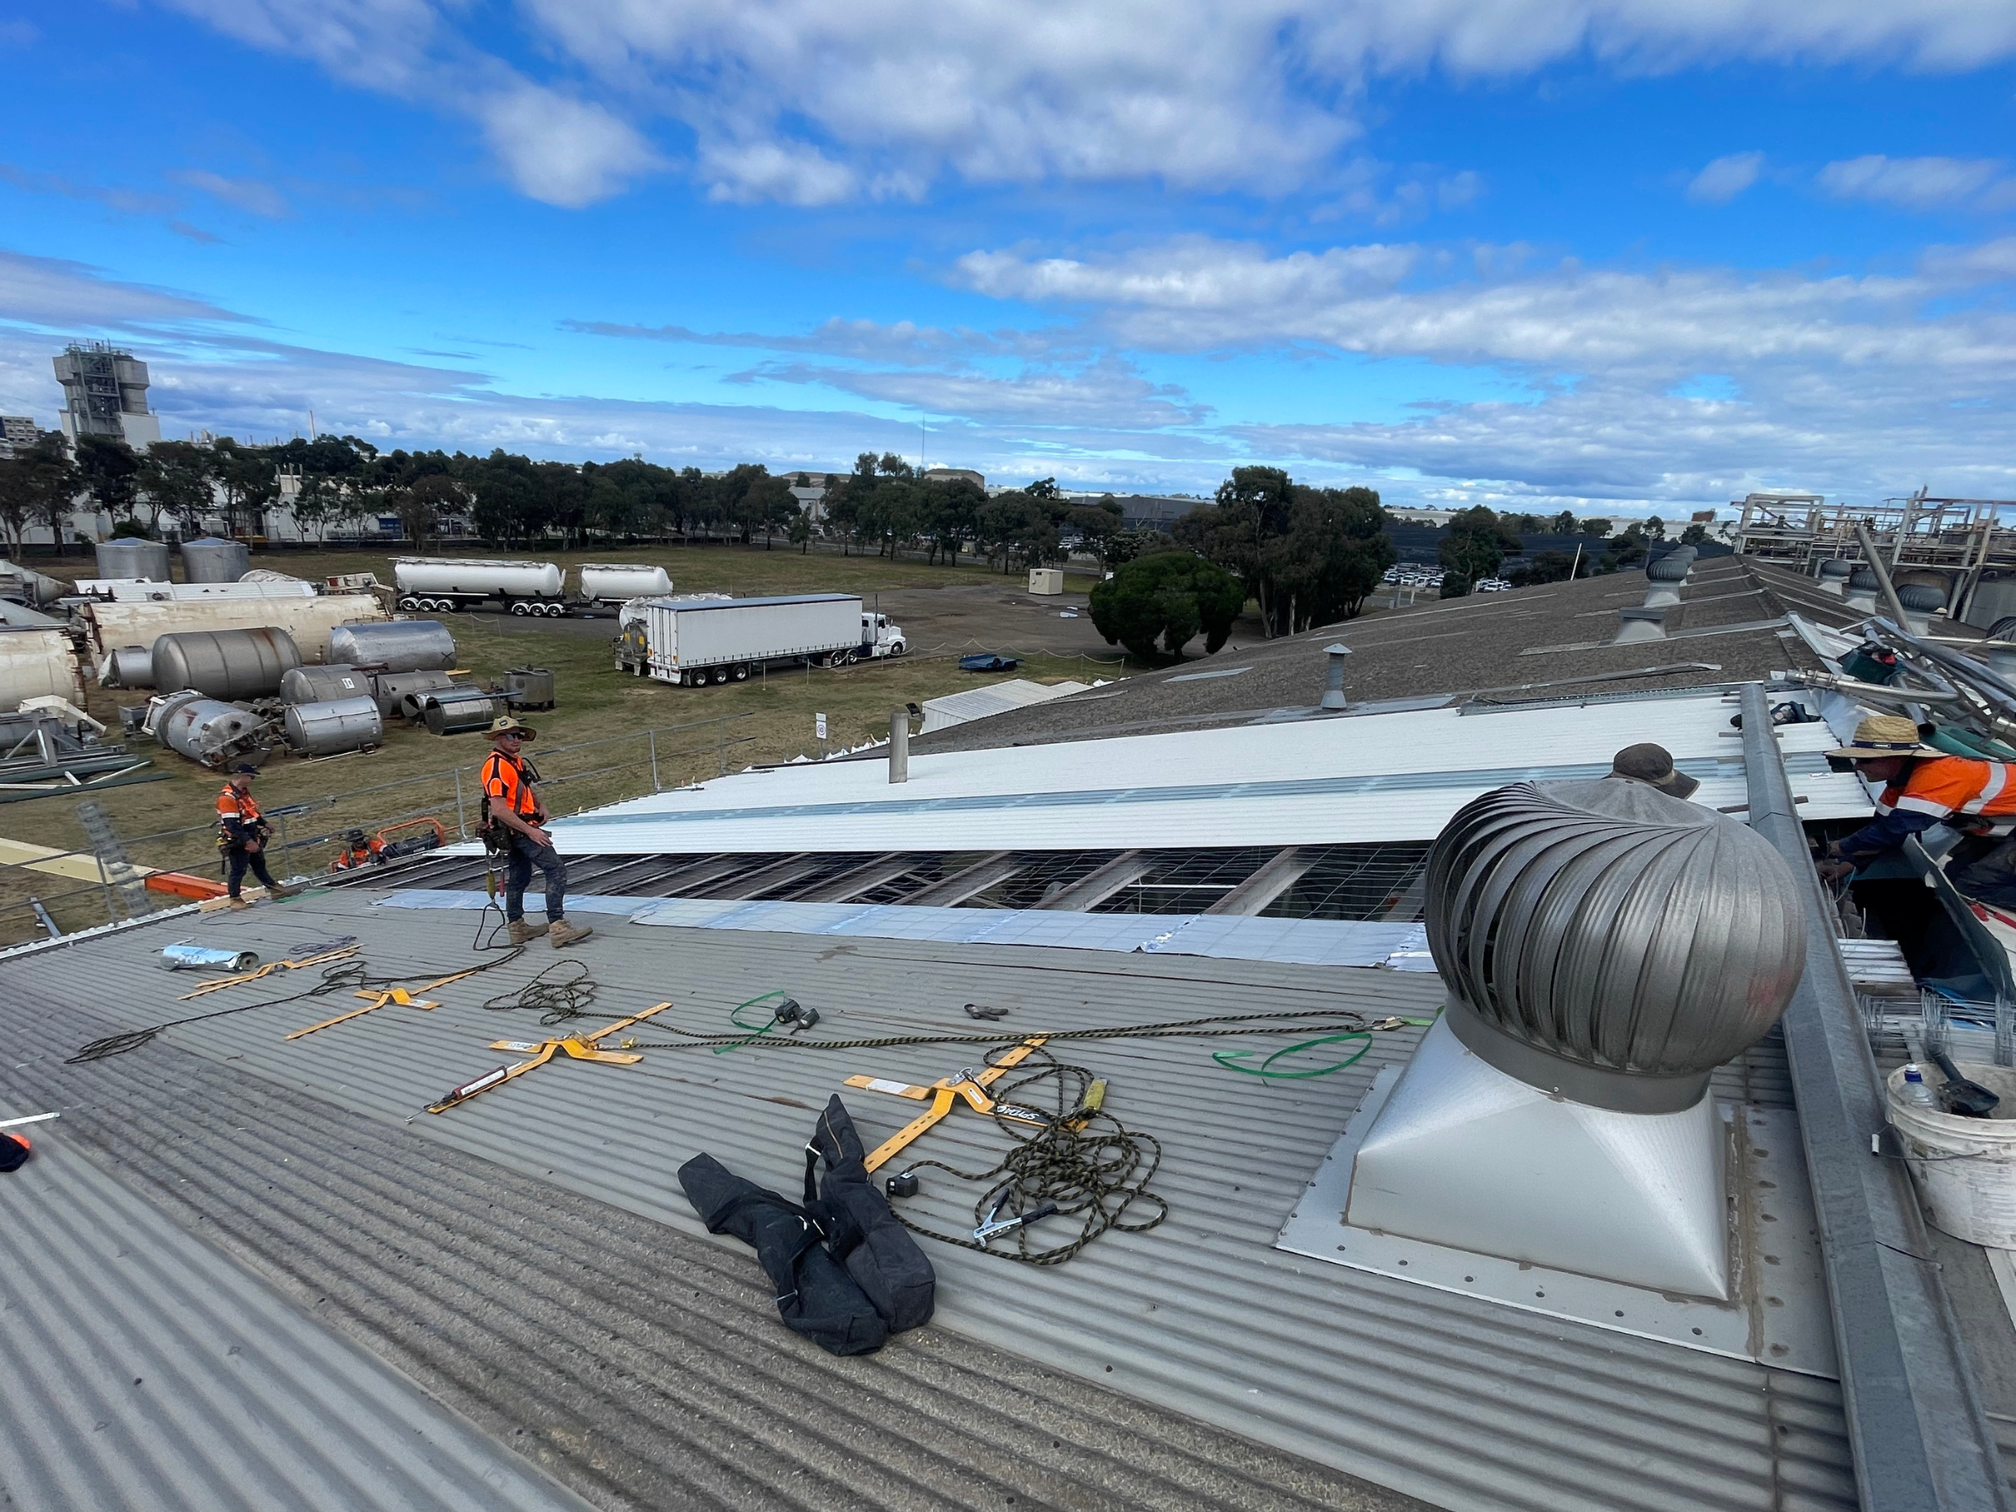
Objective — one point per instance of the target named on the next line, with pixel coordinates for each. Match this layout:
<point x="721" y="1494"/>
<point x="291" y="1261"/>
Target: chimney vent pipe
<point x="1333" y="689"/>
<point x="899" y="745"/>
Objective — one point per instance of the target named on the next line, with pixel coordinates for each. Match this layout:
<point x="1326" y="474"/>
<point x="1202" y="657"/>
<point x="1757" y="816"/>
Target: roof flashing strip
<point x="1916" y="1423"/>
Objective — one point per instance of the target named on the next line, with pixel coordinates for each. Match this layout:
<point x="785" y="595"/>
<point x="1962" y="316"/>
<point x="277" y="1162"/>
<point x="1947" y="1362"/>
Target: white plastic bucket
<point x="1966" y="1167"/>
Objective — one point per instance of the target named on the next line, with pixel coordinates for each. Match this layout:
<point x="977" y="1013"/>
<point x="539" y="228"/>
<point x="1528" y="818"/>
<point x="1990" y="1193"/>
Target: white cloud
<point x="563" y="151"/>
<point x="902" y="341"/>
<point x="745" y="172"/>
<point x="1109" y="394"/>
<point x="1725" y="178"/>
<point x="245" y="194"/>
<point x="1921" y="183"/>
<point x="806" y="102"/>
<point x="59" y="294"/>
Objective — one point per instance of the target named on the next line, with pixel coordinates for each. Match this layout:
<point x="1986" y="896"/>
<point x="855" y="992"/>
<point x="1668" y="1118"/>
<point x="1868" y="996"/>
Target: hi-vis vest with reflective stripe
<point x="1944" y="786"/>
<point x="508" y="785"/>
<point x="234" y="805"/>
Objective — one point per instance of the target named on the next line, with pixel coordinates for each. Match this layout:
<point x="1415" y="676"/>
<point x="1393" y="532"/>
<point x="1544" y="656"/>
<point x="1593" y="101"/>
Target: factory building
<point x="105" y="394"/>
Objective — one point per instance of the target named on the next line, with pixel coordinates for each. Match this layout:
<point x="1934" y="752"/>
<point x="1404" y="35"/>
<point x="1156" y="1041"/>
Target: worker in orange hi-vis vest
<point x="1924" y="786"/>
<point x="242" y="833"/>
<point x="514" y="822"/>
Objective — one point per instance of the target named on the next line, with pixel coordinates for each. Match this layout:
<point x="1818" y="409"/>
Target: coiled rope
<point x="1091" y="1165"/>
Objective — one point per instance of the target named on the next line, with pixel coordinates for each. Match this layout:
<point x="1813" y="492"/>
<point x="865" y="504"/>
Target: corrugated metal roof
<point x="1439" y="1396"/>
<point x="145" y="1370"/>
<point x="642" y="1366"/>
<point x="1334" y="781"/>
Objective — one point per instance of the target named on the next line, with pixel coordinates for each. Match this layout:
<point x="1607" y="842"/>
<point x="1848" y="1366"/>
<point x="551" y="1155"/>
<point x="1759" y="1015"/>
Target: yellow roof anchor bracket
<point x="538" y="1052"/>
<point x="943" y="1094"/>
<point x="373" y="1002"/>
<point x="376" y="998"/>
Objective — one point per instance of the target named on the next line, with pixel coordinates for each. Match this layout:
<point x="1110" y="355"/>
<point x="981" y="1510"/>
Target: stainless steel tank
<point x="130" y="557"/>
<point x="226" y="664"/>
<point x="1609" y="943"/>
<point x="307" y="685"/>
<point x="394" y="646"/>
<point x="460" y="710"/>
<point x="339" y="724"/>
<point x="208" y="731"/>
<point x="529" y="688"/>
<point x="209" y="559"/>
<point x="403" y="693"/>
<point x="128" y="667"/>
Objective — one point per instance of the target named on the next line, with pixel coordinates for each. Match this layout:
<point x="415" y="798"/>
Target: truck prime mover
<point x="693" y="642"/>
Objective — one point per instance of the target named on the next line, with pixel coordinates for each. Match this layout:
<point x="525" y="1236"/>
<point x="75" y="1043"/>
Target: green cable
<point x="756" y="1031"/>
<point x="1230" y="1059"/>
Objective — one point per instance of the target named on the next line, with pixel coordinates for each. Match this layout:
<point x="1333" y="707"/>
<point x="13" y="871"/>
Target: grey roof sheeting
<point x="1527" y="645"/>
<point x="643" y="1367"/>
<point x="146" y="1370"/>
<point x="1456" y="1401"/>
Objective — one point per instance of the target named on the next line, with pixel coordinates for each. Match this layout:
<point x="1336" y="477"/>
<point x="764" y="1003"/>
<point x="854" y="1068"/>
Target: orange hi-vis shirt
<point x="1948" y="786"/>
<point x="507" y="784"/>
<point x="237" y="813"/>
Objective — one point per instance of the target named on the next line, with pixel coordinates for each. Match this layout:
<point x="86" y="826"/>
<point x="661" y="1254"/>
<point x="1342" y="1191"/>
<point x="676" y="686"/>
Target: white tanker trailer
<point x="439" y="585"/>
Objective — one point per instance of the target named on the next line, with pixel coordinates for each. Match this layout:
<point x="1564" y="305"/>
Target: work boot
<point x="524" y="931"/>
<point x="282" y="890"/>
<point x="561" y="933"/>
<point x="237" y="903"/>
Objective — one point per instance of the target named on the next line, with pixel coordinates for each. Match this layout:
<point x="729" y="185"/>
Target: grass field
<point x="701" y="731"/>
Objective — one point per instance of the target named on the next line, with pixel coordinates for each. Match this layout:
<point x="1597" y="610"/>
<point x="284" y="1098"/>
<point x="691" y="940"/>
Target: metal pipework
<point x="1874" y="561"/>
<point x="1333" y="687"/>
<point x="1854" y="688"/>
<point x="899" y="745"/>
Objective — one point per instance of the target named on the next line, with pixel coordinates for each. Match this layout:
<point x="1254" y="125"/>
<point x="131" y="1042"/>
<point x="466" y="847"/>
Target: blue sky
<point x="1618" y="255"/>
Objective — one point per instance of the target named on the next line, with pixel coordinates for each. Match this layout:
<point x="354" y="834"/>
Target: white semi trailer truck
<point x="694" y="642"/>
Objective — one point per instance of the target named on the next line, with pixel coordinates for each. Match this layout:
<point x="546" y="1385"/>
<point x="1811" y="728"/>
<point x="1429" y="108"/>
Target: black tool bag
<point x="861" y="1231"/>
<point x="815" y="1296"/>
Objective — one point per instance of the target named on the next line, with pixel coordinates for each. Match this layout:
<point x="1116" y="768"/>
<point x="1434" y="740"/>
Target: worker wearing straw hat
<point x="1923" y="786"/>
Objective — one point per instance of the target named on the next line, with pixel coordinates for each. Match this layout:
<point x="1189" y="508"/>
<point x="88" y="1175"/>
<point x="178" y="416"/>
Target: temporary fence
<point x="582" y="775"/>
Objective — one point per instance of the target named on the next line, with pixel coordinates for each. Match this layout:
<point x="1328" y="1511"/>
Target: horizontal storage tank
<point x="475" y="575"/>
<point x="36" y="660"/>
<point x="615" y="582"/>
<point x="459" y="711"/>
<point x="127" y="667"/>
<point x="129" y="557"/>
<point x="308" y="620"/>
<point x="529" y="688"/>
<point x="333" y="726"/>
<point x="207" y="730"/>
<point x="394" y="646"/>
<point x="227" y="664"/>
<point x="401" y="694"/>
<point x="209" y="559"/>
<point x="307" y="685"/>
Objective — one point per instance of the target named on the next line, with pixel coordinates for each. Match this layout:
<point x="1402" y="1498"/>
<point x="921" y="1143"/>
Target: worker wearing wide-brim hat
<point x="1923" y="786"/>
<point x="514" y="822"/>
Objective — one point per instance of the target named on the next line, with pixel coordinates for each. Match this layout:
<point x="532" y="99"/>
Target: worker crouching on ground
<point x="242" y="832"/>
<point x="1924" y="786"/>
<point x="514" y="822"/>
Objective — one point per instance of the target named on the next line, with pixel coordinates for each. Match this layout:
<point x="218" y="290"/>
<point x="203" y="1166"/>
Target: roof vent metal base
<point x="1466" y="1156"/>
<point x="1661" y="595"/>
<point x="1778" y="1317"/>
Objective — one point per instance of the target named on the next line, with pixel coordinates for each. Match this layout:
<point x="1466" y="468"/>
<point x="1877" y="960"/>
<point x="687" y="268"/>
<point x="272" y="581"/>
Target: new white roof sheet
<point x="1314" y="782"/>
<point x="995" y="698"/>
